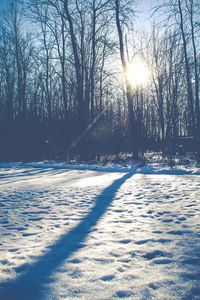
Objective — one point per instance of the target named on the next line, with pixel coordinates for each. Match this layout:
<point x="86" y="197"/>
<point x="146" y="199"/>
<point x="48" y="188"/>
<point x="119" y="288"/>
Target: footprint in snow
<point x="125" y="241"/>
<point x="141" y="242"/>
<point x="162" y="261"/>
<point x="190" y="276"/>
<point x="157" y="253"/>
<point x="124" y="294"/>
<point x="107" y="278"/>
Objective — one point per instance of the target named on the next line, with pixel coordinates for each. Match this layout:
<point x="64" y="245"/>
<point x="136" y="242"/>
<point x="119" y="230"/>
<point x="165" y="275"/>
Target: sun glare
<point x="138" y="74"/>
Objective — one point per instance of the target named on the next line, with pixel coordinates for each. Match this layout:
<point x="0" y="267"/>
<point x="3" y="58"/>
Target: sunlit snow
<point x="68" y="234"/>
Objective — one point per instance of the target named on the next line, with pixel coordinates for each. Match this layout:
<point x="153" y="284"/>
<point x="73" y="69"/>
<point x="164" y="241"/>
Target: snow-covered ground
<point x="97" y="234"/>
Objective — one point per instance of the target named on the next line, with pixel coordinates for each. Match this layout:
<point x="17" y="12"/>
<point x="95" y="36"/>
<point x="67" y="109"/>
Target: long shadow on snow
<point x="29" y="174"/>
<point x="31" y="284"/>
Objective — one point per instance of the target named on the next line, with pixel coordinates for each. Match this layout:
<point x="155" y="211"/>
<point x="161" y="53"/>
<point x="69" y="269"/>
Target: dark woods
<point x="62" y="93"/>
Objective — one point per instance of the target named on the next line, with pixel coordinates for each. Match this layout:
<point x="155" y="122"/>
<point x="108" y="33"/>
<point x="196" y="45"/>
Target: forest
<point x="79" y="80"/>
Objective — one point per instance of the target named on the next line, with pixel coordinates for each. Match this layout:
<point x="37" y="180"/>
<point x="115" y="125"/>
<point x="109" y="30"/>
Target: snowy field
<point x="68" y="234"/>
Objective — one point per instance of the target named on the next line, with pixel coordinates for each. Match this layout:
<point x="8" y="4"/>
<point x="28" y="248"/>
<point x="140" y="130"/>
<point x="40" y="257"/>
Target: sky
<point x="143" y="9"/>
<point x="143" y="5"/>
<point x="2" y="3"/>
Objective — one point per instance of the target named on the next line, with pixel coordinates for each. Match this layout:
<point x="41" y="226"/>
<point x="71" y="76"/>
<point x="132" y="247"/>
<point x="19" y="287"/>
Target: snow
<point x="103" y="232"/>
<point x="149" y="168"/>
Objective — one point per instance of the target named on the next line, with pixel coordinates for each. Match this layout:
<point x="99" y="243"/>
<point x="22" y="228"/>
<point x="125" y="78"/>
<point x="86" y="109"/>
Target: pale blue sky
<point x="2" y="3"/>
<point x="143" y="8"/>
<point x="143" y="4"/>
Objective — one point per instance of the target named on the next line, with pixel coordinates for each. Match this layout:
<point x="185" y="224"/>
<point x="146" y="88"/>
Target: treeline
<point x="63" y="87"/>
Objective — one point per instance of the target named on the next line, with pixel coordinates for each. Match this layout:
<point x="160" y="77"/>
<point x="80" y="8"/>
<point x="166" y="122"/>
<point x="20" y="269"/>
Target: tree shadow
<point x="26" y="174"/>
<point x="31" y="284"/>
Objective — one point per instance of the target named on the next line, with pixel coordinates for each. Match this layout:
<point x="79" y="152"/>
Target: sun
<point x="138" y="74"/>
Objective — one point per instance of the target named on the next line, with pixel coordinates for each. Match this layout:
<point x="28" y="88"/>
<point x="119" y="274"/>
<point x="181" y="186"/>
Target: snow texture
<point x="119" y="232"/>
